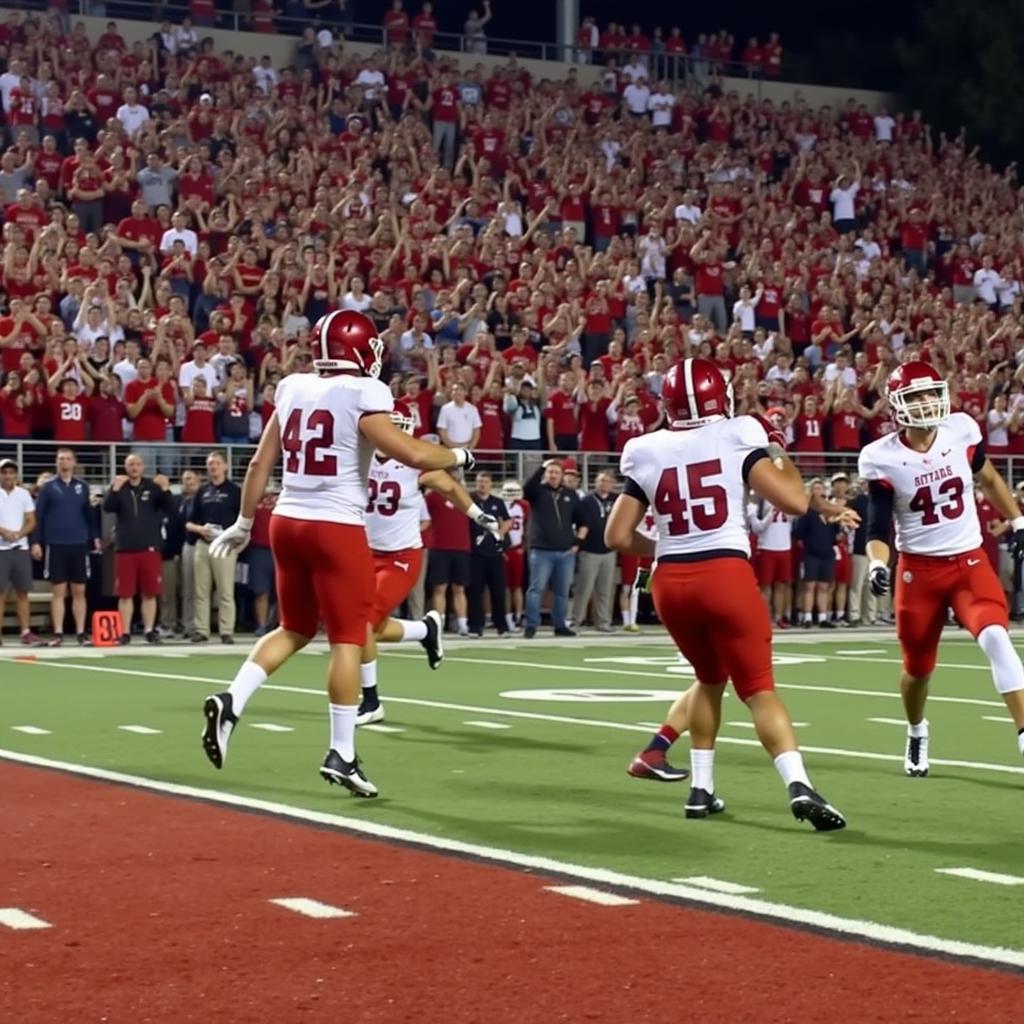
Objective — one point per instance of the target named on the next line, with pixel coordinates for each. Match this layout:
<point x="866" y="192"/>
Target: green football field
<point x="523" y="747"/>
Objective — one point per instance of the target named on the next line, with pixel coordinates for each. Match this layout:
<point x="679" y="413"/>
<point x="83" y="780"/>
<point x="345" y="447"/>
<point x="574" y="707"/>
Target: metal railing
<point x="98" y="463"/>
<point x="677" y="68"/>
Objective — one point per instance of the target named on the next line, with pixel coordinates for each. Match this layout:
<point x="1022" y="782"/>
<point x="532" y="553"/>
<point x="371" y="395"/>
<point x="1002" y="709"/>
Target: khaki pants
<point x="210" y="572"/>
<point x="188" y="586"/>
<point x="169" y="596"/>
<point x="595" y="575"/>
<point x="862" y="604"/>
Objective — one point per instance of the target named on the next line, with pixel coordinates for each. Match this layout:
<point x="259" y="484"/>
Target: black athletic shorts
<point x="818" y="570"/>
<point x="446" y="567"/>
<point x="66" y="563"/>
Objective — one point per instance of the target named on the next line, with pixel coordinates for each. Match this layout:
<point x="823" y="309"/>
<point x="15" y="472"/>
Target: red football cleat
<point x="651" y="764"/>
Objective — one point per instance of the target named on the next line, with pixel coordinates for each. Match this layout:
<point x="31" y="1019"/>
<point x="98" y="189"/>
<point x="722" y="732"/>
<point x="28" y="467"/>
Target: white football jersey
<point x="693" y="481"/>
<point x="933" y="491"/>
<point x="518" y="511"/>
<point x="326" y="459"/>
<point x="394" y="508"/>
<point x="772" y="527"/>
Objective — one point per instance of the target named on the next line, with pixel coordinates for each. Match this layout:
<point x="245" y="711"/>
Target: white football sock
<point x="790" y="765"/>
<point x="510" y="620"/>
<point x="702" y="764"/>
<point x="919" y="731"/>
<point x="412" y="630"/>
<point x="343" y="730"/>
<point x="1007" y="670"/>
<point x="463" y="624"/>
<point x="368" y="674"/>
<point x="248" y="679"/>
<point x="634" y="604"/>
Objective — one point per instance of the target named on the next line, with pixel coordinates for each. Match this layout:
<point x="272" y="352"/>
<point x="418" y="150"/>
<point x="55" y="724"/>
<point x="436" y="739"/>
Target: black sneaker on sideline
<point x="153" y="637"/>
<point x="226" y="638"/>
<point x="198" y="638"/>
<point x="433" y="642"/>
<point x="530" y="632"/>
<point x="124" y="639"/>
<point x="700" y="803"/>
<point x="346" y="773"/>
<point x="565" y="631"/>
<point x="826" y="624"/>
<point x="807" y="805"/>
<point x="84" y="640"/>
<point x="220" y="724"/>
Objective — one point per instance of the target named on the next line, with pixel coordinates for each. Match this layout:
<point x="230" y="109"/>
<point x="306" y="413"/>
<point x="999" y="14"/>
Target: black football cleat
<point x="220" y="724"/>
<point x="433" y="642"/>
<point x="652" y="764"/>
<point x="700" y="803"/>
<point x="346" y="773"/>
<point x="807" y="805"/>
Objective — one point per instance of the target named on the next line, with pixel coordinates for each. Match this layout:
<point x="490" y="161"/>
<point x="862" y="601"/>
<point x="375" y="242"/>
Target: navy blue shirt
<point x="64" y="514"/>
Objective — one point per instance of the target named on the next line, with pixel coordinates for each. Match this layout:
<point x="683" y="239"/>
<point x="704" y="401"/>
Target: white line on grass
<point x="271" y="727"/>
<point x="887" y="721"/>
<point x="311" y="908"/>
<point x="538" y="716"/>
<point x="31" y="730"/>
<point x="377" y="727"/>
<point x="872" y="650"/>
<point x="588" y="895"/>
<point x="488" y="725"/>
<point x="140" y="730"/>
<point x="20" y="920"/>
<point x="750" y="725"/>
<point x="717" y="885"/>
<point x="1002" y="719"/>
<point x="975" y="875"/>
<point x="882" y="933"/>
<point x="665" y="677"/>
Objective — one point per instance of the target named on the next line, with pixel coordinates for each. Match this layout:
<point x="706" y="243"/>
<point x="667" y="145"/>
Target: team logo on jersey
<point x="908" y="577"/>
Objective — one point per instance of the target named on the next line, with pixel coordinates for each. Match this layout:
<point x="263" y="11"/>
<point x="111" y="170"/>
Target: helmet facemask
<point x="922" y="403"/>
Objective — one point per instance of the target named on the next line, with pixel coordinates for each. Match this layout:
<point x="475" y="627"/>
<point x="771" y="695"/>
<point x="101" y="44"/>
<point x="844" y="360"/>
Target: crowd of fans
<point x="534" y="253"/>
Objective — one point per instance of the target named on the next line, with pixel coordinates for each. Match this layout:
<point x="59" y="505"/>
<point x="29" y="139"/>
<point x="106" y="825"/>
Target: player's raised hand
<point x="879" y="578"/>
<point x="233" y="540"/>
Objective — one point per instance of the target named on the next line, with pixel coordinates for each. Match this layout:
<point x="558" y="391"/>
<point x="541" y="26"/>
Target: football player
<point x="515" y="549"/>
<point x="695" y="474"/>
<point x="327" y="425"/>
<point x="923" y="476"/>
<point x="393" y="520"/>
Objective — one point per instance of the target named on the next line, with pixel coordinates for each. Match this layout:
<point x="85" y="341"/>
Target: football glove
<point x="464" y="459"/>
<point x="485" y="522"/>
<point x="879" y="578"/>
<point x="644" y="581"/>
<point x="233" y="541"/>
<point x="1017" y="538"/>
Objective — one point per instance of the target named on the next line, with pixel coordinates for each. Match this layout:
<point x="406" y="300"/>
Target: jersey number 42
<point x="305" y="455"/>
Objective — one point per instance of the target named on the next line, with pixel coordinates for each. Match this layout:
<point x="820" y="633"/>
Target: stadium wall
<point x="281" y="50"/>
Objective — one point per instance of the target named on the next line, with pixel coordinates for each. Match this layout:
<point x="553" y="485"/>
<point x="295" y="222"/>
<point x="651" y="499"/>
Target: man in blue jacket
<point x="67" y="529"/>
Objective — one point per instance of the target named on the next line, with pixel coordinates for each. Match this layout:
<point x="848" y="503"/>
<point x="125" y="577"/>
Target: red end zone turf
<point x="160" y="913"/>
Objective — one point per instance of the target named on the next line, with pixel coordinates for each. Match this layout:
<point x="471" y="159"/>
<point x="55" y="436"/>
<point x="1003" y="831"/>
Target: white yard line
<point x="588" y="895"/>
<point x="488" y="725"/>
<point x="270" y="727"/>
<point x="31" y="730"/>
<point x="600" y="877"/>
<point x="140" y="730"/>
<point x="718" y="885"/>
<point x="887" y="721"/>
<point x="377" y="727"/>
<point x="311" y="908"/>
<point x="1002" y="719"/>
<point x="21" y="921"/>
<point x="975" y="875"/>
<point x="538" y="716"/>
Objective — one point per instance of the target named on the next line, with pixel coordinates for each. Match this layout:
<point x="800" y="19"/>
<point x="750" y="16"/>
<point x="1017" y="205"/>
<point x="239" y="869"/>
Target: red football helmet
<point x="931" y="404"/>
<point x="346" y="340"/>
<point x="694" y="392"/>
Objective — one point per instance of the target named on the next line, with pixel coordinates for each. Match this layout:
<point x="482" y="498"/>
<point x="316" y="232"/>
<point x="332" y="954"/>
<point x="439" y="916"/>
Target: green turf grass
<point x="560" y="789"/>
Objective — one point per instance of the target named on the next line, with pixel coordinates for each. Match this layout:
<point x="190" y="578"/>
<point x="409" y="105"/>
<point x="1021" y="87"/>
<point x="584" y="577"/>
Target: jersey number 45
<point x="681" y="513"/>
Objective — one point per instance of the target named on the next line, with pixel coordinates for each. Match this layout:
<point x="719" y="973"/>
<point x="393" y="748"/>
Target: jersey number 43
<point x="950" y="503"/>
<point x="713" y="508"/>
